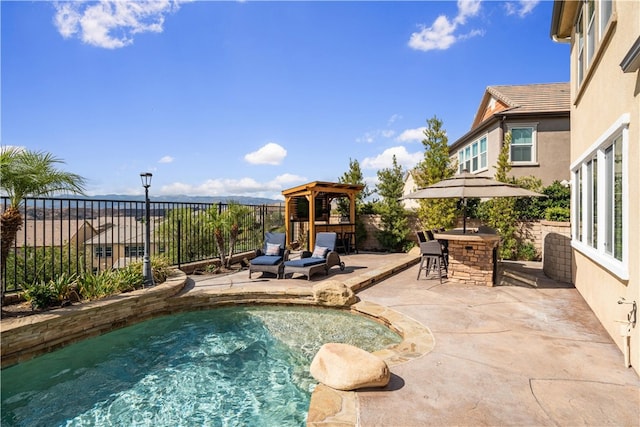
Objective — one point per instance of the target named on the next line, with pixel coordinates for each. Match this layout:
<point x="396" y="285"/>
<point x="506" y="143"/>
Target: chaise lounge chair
<point x="271" y="258"/>
<point x="323" y="257"/>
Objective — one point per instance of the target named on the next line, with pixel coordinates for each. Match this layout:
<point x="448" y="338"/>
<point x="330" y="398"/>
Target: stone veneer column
<point x="471" y="262"/>
<point x="556" y="250"/>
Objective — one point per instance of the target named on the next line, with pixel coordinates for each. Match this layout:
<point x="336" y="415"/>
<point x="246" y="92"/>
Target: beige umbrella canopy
<point x="470" y="186"/>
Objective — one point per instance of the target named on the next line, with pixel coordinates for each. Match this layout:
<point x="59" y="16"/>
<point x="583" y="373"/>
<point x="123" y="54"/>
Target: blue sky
<point x="226" y="98"/>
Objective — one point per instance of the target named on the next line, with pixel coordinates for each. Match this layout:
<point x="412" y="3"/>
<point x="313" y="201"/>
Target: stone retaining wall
<point x="26" y="337"/>
<point x="556" y="252"/>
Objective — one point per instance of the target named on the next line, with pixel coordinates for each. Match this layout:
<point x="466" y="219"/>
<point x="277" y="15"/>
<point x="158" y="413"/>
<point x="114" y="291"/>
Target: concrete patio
<point x="504" y="355"/>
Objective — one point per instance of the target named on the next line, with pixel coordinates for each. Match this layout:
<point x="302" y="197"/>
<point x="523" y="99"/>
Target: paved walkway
<point x="504" y="355"/>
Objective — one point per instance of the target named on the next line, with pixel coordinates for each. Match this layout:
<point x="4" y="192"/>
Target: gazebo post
<point x="311" y="241"/>
<point x="287" y="221"/>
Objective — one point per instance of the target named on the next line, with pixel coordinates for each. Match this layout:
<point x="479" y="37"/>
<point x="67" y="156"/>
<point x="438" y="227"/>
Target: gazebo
<point x="311" y="203"/>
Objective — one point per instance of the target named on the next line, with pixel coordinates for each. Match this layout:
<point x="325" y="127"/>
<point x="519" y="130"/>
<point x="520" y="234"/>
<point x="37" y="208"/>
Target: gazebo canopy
<point x="311" y="202"/>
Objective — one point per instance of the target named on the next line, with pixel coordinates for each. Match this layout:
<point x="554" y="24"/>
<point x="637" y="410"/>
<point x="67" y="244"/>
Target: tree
<point x="436" y="166"/>
<point x="354" y="176"/>
<point x="502" y="214"/>
<point x="183" y="228"/>
<point x="226" y="226"/>
<point x="395" y="225"/>
<point x="237" y="217"/>
<point x="25" y="173"/>
<point x="215" y="221"/>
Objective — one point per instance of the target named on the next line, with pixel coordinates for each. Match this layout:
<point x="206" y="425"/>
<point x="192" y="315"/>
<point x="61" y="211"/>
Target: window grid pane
<point x="608" y="194"/>
<point x="617" y="199"/>
<point x="521" y="144"/>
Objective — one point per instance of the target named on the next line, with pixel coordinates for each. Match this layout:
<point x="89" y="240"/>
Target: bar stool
<point x="431" y="258"/>
<point x="340" y="243"/>
<point x="350" y="242"/>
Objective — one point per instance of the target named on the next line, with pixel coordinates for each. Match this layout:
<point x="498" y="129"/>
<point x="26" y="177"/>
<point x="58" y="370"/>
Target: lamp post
<point x="145" y="177"/>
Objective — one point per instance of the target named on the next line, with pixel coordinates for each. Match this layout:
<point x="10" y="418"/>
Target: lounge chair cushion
<point x="320" y="252"/>
<point x="272" y="249"/>
<point x="266" y="260"/>
<point x="305" y="262"/>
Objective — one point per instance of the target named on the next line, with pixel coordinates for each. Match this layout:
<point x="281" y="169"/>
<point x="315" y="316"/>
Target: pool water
<point x="223" y="367"/>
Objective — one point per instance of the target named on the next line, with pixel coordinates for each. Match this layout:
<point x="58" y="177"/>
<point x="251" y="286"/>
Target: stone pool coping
<point x="26" y="337"/>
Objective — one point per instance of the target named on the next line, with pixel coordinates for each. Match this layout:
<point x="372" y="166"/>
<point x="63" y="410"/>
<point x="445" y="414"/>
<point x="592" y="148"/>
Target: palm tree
<point x="25" y="173"/>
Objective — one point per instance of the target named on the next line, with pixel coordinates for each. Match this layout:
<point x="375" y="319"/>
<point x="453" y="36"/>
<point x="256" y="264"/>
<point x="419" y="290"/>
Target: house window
<point x="523" y="144"/>
<point x="473" y="157"/>
<point x="613" y="199"/>
<point x="591" y="191"/>
<point x="600" y="209"/>
<point x="104" y="251"/>
<point x="606" y="9"/>
<point x="591" y="24"/>
<point x="580" y="43"/>
<point x="591" y="30"/>
<point x="133" y="251"/>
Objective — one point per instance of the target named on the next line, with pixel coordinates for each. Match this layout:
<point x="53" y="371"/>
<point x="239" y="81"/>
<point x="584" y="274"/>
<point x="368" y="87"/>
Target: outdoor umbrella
<point x="469" y="186"/>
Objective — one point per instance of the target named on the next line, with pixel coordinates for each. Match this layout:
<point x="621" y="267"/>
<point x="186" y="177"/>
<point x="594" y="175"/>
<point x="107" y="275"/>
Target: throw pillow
<point x="319" y="252"/>
<point x="272" y="249"/>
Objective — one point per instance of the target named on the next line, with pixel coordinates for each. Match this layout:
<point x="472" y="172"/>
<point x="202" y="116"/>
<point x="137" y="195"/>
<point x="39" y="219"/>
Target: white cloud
<point x="373" y="135"/>
<point x="385" y="159"/>
<point x="394" y="118"/>
<point x="269" y="154"/>
<point x="166" y="159"/>
<point x="467" y="8"/>
<point x="441" y="35"/>
<point x="411" y="135"/>
<point x="438" y="36"/>
<point x="521" y="8"/>
<point x="236" y="187"/>
<point x="111" y="24"/>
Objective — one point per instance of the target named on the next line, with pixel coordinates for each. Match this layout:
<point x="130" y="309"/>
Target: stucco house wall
<point x="605" y="103"/>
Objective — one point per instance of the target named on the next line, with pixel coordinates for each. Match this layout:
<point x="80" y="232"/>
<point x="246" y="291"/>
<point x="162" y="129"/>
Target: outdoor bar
<point x="472" y="256"/>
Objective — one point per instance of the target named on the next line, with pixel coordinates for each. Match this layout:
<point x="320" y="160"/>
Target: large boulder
<point x="333" y="293"/>
<point x="345" y="367"/>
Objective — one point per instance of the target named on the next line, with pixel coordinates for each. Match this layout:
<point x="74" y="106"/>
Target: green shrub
<point x="93" y="286"/>
<point x="63" y="286"/>
<point x="52" y="292"/>
<point x="40" y="295"/>
<point x="557" y="213"/>
<point x="527" y="252"/>
<point x="129" y="278"/>
<point x="160" y="269"/>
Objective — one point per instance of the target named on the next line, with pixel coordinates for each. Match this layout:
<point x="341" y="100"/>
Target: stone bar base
<point x="471" y="263"/>
<point x="471" y="257"/>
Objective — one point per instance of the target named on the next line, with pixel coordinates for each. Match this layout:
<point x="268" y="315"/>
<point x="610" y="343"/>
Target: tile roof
<point x="534" y="98"/>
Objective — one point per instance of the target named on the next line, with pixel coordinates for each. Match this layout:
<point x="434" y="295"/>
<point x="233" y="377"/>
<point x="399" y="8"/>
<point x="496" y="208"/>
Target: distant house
<point x="605" y="158"/>
<point x="121" y="243"/>
<point x="409" y="187"/>
<point x="537" y="115"/>
<point x="40" y="233"/>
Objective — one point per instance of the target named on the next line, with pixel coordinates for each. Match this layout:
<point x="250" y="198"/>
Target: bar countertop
<point x="470" y="235"/>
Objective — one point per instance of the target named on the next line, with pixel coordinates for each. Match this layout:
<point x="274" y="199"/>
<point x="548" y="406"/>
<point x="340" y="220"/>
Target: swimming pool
<point x="227" y="366"/>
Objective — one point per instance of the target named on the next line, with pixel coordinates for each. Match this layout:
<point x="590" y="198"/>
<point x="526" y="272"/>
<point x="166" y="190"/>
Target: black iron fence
<point x="73" y="235"/>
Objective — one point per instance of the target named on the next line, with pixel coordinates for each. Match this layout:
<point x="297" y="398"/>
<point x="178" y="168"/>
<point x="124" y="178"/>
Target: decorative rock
<point x="345" y="367"/>
<point x="333" y="293"/>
